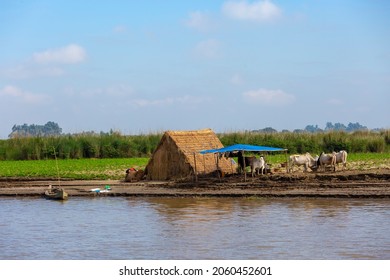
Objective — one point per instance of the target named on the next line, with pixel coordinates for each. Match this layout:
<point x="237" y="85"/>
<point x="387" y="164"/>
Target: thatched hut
<point x="177" y="156"/>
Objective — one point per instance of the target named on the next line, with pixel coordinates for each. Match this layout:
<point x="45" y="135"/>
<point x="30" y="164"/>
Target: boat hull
<point x="58" y="194"/>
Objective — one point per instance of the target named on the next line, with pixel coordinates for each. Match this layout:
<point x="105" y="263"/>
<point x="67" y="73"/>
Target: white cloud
<point x="110" y="91"/>
<point x="187" y="99"/>
<point x="29" y="70"/>
<point x="10" y="91"/>
<point x="208" y="48"/>
<point x="21" y="95"/>
<point x="66" y="55"/>
<point x="46" y="63"/>
<point x="268" y="97"/>
<point x="200" y="21"/>
<point x="260" y="11"/>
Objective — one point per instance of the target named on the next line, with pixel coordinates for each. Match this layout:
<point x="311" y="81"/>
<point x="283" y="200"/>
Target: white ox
<point x="306" y="160"/>
<point x="327" y="159"/>
<point x="341" y="157"/>
<point x="257" y="164"/>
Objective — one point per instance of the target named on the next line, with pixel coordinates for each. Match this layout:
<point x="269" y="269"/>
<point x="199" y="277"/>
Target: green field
<point x="83" y="169"/>
<point x="90" y="169"/>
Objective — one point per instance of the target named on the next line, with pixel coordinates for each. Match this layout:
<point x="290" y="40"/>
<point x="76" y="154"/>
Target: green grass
<point x="90" y="169"/>
<point x="81" y="169"/>
<point x="361" y="161"/>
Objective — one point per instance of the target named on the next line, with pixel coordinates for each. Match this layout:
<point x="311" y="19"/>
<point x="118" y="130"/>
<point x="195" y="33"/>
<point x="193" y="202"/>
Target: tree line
<point x="53" y="129"/>
<point x="25" y="130"/>
<point x="351" y="127"/>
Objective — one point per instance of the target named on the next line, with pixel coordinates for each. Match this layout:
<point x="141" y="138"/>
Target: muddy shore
<point x="355" y="184"/>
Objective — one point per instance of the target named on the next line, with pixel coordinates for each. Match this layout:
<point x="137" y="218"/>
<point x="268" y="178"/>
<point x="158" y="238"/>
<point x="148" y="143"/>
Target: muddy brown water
<point x="194" y="228"/>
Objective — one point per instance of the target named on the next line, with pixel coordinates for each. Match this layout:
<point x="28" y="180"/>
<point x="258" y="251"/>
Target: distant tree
<point x="49" y="129"/>
<point x="268" y="130"/>
<point x="312" y="128"/>
<point x="265" y="130"/>
<point x="336" y="126"/>
<point x="339" y="127"/>
<point x="329" y="126"/>
<point x="356" y="126"/>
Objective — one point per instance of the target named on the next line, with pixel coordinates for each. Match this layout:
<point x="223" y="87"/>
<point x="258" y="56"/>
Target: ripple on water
<point x="194" y="228"/>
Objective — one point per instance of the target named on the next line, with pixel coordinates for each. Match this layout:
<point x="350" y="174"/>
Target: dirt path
<point x="367" y="183"/>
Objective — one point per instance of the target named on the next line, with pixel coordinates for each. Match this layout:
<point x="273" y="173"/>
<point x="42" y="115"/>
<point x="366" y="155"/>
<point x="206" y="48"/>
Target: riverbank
<point x="373" y="183"/>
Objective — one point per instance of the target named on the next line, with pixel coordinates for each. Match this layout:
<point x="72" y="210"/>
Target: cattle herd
<point x="317" y="163"/>
<point x="320" y="162"/>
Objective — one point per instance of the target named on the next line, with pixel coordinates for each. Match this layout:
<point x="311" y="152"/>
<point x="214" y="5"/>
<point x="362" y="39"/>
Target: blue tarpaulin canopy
<point x="244" y="148"/>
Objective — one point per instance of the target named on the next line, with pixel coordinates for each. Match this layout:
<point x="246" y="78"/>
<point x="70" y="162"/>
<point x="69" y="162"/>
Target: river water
<point x="194" y="228"/>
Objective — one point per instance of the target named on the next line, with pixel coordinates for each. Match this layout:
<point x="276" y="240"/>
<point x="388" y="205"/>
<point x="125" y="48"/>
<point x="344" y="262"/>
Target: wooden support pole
<point x="231" y="164"/>
<point x="287" y="163"/>
<point x="217" y="164"/>
<point x="196" y="171"/>
<point x="204" y="165"/>
<point x="243" y="156"/>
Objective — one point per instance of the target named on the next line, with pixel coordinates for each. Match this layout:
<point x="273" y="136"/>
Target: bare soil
<point x="374" y="183"/>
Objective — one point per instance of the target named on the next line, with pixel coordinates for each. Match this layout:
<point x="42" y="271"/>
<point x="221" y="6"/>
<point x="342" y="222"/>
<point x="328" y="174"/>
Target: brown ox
<point x="244" y="161"/>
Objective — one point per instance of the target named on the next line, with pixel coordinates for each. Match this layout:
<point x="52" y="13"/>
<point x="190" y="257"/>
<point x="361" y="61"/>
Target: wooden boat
<point x="56" y="193"/>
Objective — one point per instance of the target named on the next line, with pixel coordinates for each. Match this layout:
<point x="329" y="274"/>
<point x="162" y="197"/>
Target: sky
<point x="141" y="67"/>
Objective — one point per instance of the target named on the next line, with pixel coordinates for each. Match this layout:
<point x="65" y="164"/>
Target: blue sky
<point x="151" y="66"/>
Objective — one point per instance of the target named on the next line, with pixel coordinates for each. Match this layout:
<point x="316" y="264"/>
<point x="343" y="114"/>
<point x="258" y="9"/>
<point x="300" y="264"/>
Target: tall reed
<point x="115" y="145"/>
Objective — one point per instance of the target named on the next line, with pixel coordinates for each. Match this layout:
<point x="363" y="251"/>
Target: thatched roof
<point x="177" y="155"/>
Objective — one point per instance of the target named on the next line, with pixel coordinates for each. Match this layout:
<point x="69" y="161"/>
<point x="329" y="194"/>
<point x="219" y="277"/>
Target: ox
<point x="327" y="159"/>
<point x="244" y="161"/>
<point x="258" y="164"/>
<point x="341" y="157"/>
<point x="306" y="160"/>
